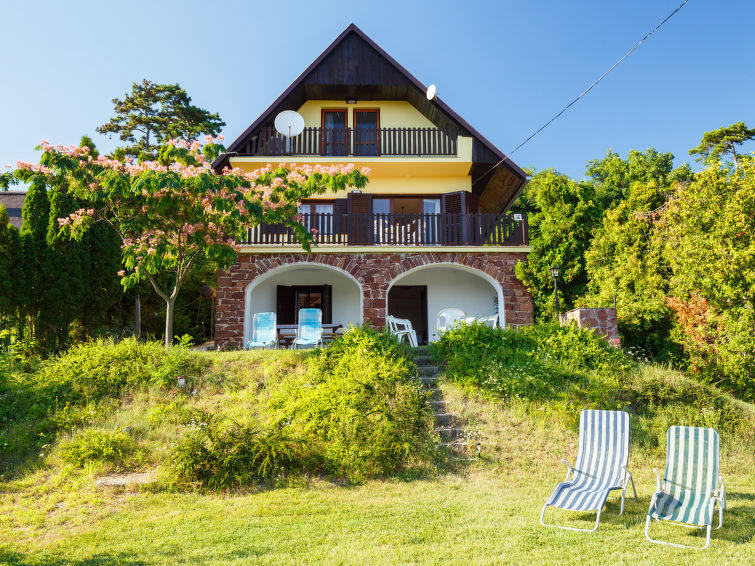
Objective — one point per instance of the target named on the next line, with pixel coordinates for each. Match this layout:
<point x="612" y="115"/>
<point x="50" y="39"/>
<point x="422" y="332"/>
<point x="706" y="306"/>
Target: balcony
<point x="370" y="229"/>
<point x="357" y="142"/>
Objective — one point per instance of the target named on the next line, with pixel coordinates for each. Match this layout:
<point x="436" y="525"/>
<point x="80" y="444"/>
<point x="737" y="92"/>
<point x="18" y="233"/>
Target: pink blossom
<point x="121" y="273"/>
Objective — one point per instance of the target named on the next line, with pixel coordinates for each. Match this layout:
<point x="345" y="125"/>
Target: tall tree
<point x="625" y="261"/>
<point x="709" y="236"/>
<point x="153" y="113"/>
<point x="614" y="177"/>
<point x="176" y="214"/>
<point x="38" y="275"/>
<point x="7" y="253"/>
<point x="564" y="214"/>
<point x="717" y="143"/>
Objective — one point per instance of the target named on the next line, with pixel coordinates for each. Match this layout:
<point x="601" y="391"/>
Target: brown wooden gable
<point x="355" y="66"/>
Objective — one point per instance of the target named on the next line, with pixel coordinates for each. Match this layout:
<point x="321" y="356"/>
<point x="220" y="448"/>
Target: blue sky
<point x="505" y="66"/>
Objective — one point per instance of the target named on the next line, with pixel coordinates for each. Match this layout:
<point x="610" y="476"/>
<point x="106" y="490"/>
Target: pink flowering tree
<point x="175" y="213"/>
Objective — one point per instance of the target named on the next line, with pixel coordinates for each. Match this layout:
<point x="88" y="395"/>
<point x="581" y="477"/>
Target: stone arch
<point x="270" y="271"/>
<point x="493" y="281"/>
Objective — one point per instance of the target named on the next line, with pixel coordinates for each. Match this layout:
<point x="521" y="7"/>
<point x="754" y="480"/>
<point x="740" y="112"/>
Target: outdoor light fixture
<point x="555" y="270"/>
<point x="356" y="192"/>
<point x="351" y="100"/>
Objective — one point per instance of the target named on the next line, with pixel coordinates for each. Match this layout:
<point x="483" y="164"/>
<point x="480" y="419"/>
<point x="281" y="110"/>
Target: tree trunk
<point x="169" y="311"/>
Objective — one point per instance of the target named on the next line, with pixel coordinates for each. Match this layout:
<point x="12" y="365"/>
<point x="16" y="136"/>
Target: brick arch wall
<point x="374" y="272"/>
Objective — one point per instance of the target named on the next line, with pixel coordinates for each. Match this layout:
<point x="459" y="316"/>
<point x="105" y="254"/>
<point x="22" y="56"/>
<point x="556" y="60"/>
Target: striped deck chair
<point x="264" y="331"/>
<point x="601" y="466"/>
<point x="691" y="487"/>
<point x="309" y="329"/>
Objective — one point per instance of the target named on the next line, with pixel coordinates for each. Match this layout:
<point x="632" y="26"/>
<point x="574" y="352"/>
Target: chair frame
<point x="625" y="482"/>
<point x="299" y="341"/>
<point x="405" y="332"/>
<point x="252" y="344"/>
<point x="716" y="500"/>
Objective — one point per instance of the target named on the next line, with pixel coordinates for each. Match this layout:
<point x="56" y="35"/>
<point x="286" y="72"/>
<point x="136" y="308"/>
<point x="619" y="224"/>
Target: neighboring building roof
<point x="13" y="201"/>
<point x="355" y="66"/>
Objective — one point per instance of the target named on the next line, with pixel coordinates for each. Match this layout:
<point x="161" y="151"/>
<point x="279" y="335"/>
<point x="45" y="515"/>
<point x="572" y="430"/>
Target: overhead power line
<point x="589" y="88"/>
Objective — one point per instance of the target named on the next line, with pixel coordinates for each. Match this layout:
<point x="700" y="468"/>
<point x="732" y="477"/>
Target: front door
<point x="410" y="301"/>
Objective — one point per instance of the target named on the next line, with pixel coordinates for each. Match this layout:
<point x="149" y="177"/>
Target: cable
<point x="588" y="89"/>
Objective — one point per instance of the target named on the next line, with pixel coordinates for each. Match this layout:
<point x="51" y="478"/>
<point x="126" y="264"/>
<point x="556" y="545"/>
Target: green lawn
<point x="484" y="513"/>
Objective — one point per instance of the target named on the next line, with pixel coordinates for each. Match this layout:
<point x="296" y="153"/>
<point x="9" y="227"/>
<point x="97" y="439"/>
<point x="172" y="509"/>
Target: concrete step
<point x="439" y="406"/>
<point x="429" y="381"/>
<point x="428" y="370"/>
<point x="448" y="434"/>
<point x="435" y="395"/>
<point x="445" y="419"/>
<point x="423" y="360"/>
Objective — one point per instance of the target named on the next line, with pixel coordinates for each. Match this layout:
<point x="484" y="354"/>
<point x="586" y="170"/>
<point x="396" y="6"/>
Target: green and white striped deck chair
<point x="601" y="466"/>
<point x="309" y="329"/>
<point x="691" y="487"/>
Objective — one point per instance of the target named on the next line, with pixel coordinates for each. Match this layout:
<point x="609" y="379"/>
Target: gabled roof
<point x="355" y="66"/>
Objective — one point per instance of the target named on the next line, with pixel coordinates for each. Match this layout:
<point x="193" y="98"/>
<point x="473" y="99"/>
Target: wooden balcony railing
<point x="361" y="142"/>
<point x="368" y="229"/>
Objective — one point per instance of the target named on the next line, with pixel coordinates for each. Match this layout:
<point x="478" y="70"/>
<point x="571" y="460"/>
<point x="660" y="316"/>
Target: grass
<point x="485" y="512"/>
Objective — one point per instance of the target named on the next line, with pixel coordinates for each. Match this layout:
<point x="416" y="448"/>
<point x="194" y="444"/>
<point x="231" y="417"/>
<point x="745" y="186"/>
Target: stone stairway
<point x="447" y="424"/>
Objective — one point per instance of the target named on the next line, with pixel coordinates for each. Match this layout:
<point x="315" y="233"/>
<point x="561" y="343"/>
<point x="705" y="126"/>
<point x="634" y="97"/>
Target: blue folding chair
<point x="601" y="466"/>
<point x="264" y="331"/>
<point x="309" y="329"/>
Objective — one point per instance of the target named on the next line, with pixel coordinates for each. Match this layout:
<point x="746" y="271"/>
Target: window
<point x="318" y="216"/>
<point x="289" y="299"/>
<point x="334" y="132"/>
<point x="366" y="129"/>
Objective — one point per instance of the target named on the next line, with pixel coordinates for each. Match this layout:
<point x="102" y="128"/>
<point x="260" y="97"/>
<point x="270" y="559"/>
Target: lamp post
<point x="554" y="272"/>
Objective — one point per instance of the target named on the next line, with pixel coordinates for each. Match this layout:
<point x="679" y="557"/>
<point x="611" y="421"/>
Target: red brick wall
<point x="374" y="271"/>
<point x="602" y="321"/>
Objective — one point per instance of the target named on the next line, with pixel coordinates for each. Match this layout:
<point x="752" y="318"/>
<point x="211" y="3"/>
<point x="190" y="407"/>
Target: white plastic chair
<point x="402" y="328"/>
<point x="491" y="320"/>
<point x="264" y="331"/>
<point x="447" y="318"/>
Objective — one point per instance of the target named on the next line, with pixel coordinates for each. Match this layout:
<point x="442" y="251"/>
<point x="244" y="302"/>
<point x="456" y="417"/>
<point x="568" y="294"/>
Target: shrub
<point x="358" y="408"/>
<point x="71" y="390"/>
<point x="92" y="445"/>
<point x="538" y="362"/>
<point x="218" y="453"/>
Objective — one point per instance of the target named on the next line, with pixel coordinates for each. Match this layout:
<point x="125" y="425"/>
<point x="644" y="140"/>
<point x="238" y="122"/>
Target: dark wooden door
<point x="334" y="133"/>
<point x="361" y="226"/>
<point x="366" y="124"/>
<point x="410" y="302"/>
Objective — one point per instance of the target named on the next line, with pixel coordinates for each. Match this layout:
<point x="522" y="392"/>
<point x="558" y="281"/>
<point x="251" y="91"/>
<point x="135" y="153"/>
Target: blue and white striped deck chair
<point x="601" y="466"/>
<point x="264" y="331"/>
<point x="309" y="329"/>
<point x="691" y="487"/>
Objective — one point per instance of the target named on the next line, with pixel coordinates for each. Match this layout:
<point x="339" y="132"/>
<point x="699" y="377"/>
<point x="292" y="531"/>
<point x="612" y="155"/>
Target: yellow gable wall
<point x="390" y="175"/>
<point x="393" y="113"/>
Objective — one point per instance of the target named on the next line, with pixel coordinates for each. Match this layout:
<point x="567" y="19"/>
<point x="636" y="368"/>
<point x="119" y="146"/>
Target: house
<point x="13" y="201"/>
<point x="430" y="230"/>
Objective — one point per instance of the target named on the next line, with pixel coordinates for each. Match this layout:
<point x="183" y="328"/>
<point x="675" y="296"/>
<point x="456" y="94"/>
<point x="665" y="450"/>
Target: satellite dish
<point x="289" y="123"/>
<point x="432" y="92"/>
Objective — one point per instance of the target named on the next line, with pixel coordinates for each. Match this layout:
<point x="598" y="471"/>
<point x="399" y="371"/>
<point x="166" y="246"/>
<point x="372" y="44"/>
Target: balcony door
<point x="366" y="124"/>
<point x="334" y="139"/>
